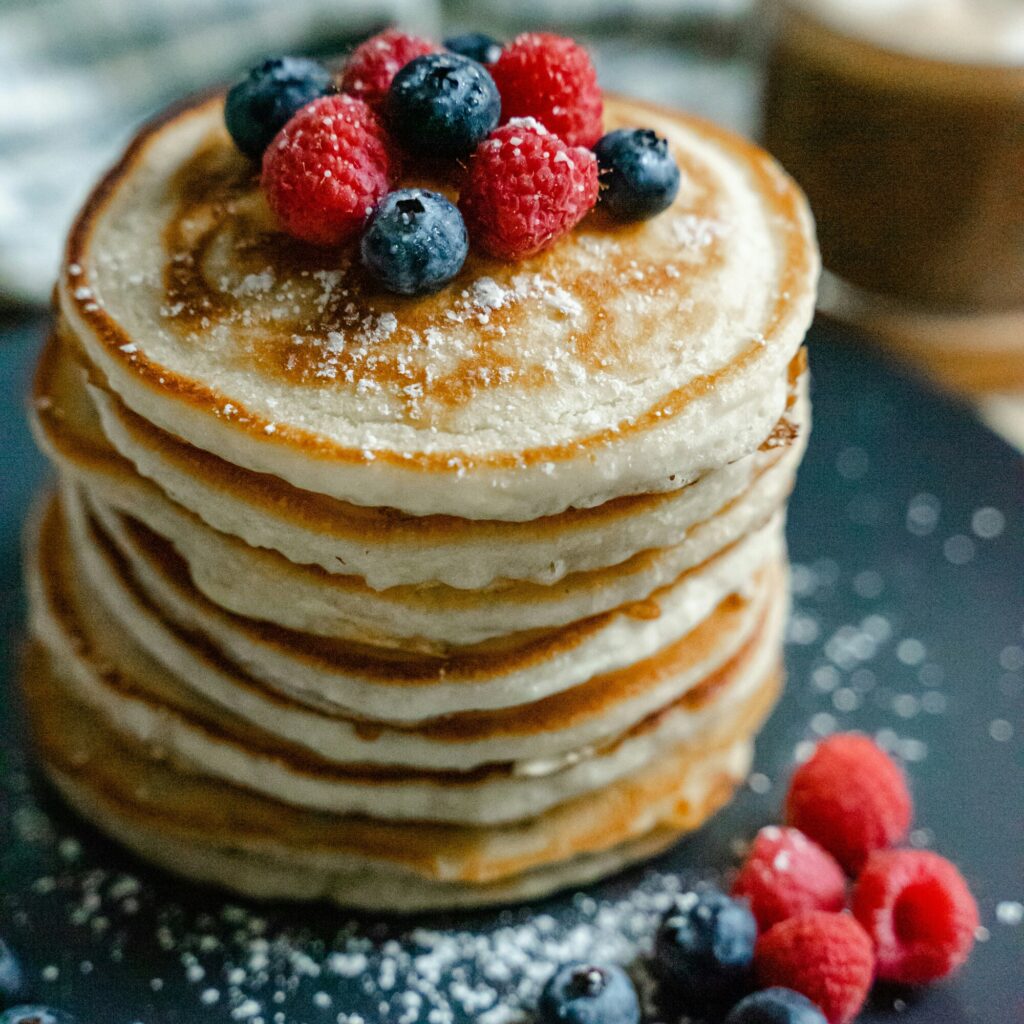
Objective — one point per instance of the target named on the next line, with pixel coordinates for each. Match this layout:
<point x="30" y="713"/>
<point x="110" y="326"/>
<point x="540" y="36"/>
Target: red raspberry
<point x="918" y="911"/>
<point x="525" y="188"/>
<point x="851" y="798"/>
<point x="786" y="873"/>
<point x="327" y="169"/>
<point x="372" y="64"/>
<point x="826" y="957"/>
<point x="552" y="79"/>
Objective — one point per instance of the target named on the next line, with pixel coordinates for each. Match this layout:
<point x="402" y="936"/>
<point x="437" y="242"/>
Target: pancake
<point x="601" y="707"/>
<point x="237" y="576"/>
<point x="104" y="668"/>
<point x="404" y="686"/>
<point x="154" y="803"/>
<point x="260" y="584"/>
<point x="626" y="360"/>
<point x="350" y="884"/>
<point x="408" y="603"/>
<point x="385" y="547"/>
<point x="240" y="578"/>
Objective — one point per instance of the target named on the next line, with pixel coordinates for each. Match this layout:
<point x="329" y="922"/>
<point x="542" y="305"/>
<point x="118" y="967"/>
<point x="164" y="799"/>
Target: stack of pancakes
<point x="414" y="602"/>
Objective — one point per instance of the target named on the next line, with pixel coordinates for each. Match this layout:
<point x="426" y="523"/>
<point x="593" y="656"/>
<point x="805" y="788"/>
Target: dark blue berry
<point x="35" y="1015"/>
<point x="443" y="104"/>
<point x="776" y="1006"/>
<point x="12" y="978"/>
<point x="415" y="243"/>
<point x="585" y="994"/>
<point x="639" y="177"/>
<point x="260" y="105"/>
<point x="704" y="948"/>
<point x="477" y="46"/>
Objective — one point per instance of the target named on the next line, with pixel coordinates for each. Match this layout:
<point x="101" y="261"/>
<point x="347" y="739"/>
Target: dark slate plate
<point x="907" y="533"/>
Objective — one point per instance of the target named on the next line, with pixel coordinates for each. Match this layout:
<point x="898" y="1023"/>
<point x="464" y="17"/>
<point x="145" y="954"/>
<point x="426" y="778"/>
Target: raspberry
<point x="786" y="873"/>
<point x="375" y="62"/>
<point x="920" y="914"/>
<point x="327" y="169"/>
<point x="851" y="798"/>
<point x="552" y="79"/>
<point x="826" y="957"/>
<point x="524" y="189"/>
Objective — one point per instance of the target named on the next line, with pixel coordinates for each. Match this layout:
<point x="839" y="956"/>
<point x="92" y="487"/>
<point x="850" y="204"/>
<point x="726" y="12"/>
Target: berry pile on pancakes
<point x="414" y="601"/>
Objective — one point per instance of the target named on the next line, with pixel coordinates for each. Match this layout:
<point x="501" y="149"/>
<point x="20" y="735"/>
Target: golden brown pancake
<point x="163" y="799"/>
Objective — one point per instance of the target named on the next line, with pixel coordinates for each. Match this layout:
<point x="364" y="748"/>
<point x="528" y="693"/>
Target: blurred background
<point x="902" y="119"/>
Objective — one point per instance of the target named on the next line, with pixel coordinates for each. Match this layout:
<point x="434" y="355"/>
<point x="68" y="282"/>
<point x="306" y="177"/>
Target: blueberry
<point x="260" y="105"/>
<point x="477" y="46"/>
<point x="776" y="1006"/>
<point x="415" y="243"/>
<point x="639" y="177"/>
<point x="12" y="978"/>
<point x="35" y="1015"/>
<point x="704" y="948"/>
<point x="443" y="104"/>
<point x="585" y="994"/>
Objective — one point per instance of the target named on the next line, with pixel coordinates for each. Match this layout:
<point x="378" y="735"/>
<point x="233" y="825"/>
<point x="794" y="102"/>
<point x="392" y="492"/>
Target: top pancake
<point x="624" y="360"/>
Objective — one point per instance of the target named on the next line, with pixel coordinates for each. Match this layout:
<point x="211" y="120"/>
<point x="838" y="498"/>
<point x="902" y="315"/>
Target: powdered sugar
<point x="530" y="124"/>
<point x="260" y="968"/>
<point x="695" y="233"/>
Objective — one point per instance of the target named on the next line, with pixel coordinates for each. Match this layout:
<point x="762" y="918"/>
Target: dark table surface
<point x="907" y="536"/>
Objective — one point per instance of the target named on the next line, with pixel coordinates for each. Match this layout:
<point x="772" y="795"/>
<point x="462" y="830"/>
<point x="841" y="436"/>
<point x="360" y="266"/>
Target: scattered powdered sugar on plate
<point x="245" y="962"/>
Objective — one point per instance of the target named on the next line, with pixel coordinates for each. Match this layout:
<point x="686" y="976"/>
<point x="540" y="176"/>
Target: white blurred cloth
<point x="80" y="75"/>
<point x="576" y="12"/>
